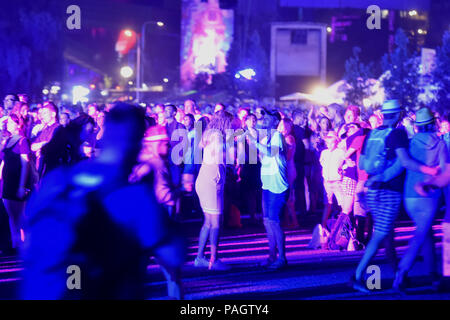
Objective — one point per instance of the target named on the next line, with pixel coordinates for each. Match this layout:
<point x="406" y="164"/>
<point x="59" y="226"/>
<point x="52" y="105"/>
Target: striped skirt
<point x="384" y="206"/>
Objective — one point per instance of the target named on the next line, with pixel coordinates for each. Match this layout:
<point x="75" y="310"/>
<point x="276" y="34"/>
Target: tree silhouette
<point x="356" y="75"/>
<point x="31" y="54"/>
<point x="441" y="73"/>
<point x="401" y="69"/>
<point x="254" y="57"/>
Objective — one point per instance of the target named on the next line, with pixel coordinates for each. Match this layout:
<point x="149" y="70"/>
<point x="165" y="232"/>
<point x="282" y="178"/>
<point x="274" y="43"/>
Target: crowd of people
<point x="274" y="165"/>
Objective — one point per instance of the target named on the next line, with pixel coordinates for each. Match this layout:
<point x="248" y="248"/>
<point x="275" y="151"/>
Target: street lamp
<point x="141" y="47"/>
<point x="126" y="72"/>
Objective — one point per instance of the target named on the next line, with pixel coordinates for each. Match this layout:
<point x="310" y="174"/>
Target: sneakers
<point x="400" y="281"/>
<point x="218" y="266"/>
<point x="443" y="285"/>
<point x="266" y="263"/>
<point x="201" y="262"/>
<point x="358" y="285"/>
<point x="278" y="264"/>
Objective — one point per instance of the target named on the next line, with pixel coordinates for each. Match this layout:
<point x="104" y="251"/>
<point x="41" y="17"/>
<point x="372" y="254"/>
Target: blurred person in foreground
<point x="153" y="169"/>
<point x="89" y="217"/>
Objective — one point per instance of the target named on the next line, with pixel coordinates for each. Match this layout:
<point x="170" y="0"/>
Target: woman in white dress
<point x="210" y="185"/>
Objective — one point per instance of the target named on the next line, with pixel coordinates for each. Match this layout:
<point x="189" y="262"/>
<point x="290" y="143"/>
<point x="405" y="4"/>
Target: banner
<point x="206" y="35"/>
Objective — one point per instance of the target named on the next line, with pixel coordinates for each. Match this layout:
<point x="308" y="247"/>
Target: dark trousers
<point x="273" y="204"/>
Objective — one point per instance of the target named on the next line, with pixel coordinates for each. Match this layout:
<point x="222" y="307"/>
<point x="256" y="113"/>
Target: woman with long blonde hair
<point x="210" y="185"/>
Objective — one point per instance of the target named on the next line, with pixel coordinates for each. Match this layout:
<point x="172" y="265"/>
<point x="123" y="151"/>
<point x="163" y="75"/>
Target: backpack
<point x="373" y="160"/>
<point x="341" y="234"/>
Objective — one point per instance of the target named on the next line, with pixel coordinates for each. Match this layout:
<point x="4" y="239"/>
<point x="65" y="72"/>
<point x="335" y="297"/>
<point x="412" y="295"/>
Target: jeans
<point x="422" y="211"/>
<point x="273" y="204"/>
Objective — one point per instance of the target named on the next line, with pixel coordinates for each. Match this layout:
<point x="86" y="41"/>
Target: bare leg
<point x="204" y="235"/>
<point x="214" y="236"/>
<point x="370" y="252"/>
<point x="347" y="204"/>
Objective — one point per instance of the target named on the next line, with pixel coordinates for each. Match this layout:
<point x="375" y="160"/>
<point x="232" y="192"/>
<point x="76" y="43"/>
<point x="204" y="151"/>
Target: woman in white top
<point x="275" y="185"/>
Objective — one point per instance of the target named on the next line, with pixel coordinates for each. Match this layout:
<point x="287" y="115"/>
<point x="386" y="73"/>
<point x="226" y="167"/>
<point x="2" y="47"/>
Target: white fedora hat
<point x="424" y="116"/>
<point x="391" y="106"/>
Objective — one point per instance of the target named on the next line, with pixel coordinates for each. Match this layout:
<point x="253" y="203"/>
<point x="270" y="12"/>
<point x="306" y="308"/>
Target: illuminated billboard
<point x="207" y="33"/>
<point x="359" y="4"/>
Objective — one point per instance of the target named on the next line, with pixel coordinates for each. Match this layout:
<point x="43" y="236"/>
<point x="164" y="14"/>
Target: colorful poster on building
<point x="207" y="32"/>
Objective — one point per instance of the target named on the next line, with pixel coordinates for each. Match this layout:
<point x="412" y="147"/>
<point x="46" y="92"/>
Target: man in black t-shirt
<point x="176" y="132"/>
<point x="301" y="136"/>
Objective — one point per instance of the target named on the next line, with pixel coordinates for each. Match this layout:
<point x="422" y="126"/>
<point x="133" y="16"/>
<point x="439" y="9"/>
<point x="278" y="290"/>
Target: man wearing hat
<point x="426" y="147"/>
<point x="385" y="187"/>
